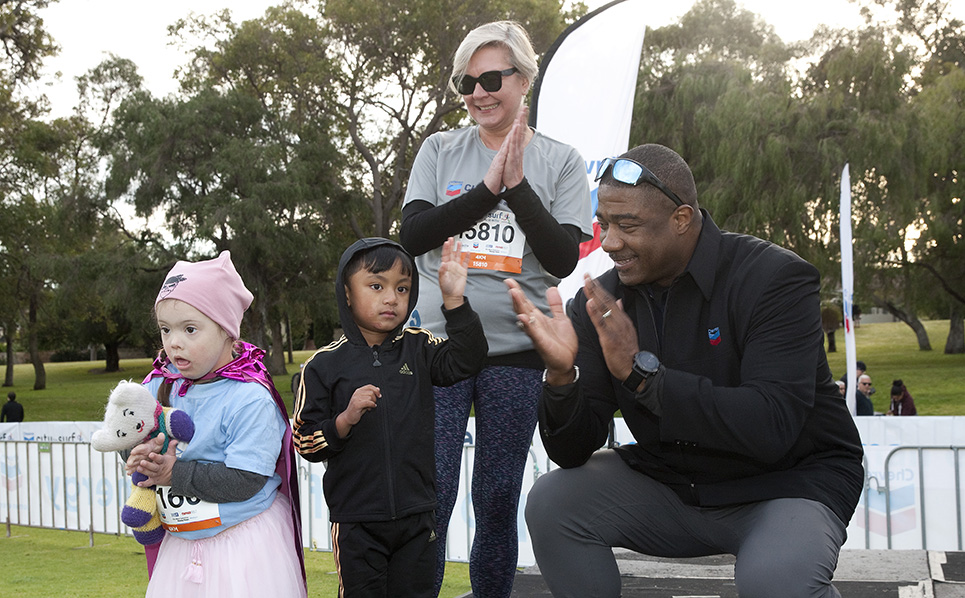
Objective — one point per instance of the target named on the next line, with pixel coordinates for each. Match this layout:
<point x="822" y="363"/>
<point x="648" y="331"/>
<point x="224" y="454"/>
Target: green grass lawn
<point x="77" y="391"/>
<point x="890" y="350"/>
<point x="48" y="563"/>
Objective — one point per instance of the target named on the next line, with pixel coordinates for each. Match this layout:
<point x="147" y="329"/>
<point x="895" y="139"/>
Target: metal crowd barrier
<point x="70" y="486"/>
<point x="912" y="499"/>
<point x="924" y="501"/>
<point x="61" y="485"/>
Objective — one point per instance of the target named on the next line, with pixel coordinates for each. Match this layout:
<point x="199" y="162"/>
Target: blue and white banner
<point x="584" y="97"/>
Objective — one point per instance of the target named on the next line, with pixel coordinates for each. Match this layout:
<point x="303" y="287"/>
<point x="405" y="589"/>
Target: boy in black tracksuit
<point x="380" y="478"/>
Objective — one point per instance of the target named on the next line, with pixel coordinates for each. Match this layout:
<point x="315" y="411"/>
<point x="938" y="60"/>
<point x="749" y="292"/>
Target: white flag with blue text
<point x="847" y="285"/>
<point x="584" y="97"/>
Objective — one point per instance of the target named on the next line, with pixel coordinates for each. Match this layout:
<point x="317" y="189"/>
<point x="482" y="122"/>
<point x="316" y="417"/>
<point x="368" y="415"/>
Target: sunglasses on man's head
<point x="491" y="81"/>
<point x="632" y="172"/>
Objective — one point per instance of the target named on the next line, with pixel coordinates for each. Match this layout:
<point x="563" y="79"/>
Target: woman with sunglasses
<point x="520" y="204"/>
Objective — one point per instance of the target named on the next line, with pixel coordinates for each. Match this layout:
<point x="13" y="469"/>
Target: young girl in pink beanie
<point x="228" y="499"/>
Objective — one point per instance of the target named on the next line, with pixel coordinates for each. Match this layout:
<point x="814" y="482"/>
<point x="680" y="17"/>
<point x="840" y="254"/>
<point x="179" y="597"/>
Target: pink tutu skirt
<point x="253" y="558"/>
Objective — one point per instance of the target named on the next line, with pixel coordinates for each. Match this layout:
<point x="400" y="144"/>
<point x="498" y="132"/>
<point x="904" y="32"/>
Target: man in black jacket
<point x="710" y="344"/>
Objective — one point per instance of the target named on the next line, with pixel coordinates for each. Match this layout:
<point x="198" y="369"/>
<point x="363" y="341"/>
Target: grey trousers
<point x="785" y="547"/>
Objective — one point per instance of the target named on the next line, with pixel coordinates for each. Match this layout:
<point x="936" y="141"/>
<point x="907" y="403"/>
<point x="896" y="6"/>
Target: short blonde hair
<point x="506" y="34"/>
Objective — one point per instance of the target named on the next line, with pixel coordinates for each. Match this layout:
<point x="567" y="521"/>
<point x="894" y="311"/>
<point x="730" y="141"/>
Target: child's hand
<point x="142" y="452"/>
<point x="157" y="467"/>
<point x="452" y="274"/>
<point x="363" y="400"/>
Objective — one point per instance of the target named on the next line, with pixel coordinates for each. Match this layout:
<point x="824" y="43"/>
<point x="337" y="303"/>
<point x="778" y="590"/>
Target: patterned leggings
<point x="505" y="399"/>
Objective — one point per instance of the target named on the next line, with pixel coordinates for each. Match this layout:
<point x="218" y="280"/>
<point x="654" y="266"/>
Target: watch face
<point x="647" y="361"/>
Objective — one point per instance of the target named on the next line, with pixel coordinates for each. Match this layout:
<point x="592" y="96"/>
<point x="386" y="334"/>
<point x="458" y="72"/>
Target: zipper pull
<point x="375" y="355"/>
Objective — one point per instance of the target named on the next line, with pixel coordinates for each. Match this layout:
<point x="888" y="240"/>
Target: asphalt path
<point x="860" y="574"/>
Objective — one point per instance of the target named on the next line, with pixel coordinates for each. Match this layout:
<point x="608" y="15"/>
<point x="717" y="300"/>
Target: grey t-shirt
<point x="451" y="163"/>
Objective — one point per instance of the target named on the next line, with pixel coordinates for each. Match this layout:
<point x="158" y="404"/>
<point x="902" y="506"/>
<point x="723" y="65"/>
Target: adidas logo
<point x="405" y="370"/>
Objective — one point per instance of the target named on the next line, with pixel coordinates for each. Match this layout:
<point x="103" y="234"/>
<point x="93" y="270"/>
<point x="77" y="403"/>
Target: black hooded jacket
<point x="385" y="468"/>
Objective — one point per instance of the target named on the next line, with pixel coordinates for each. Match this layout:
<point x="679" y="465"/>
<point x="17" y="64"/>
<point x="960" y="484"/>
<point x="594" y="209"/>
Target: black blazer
<point x="750" y="411"/>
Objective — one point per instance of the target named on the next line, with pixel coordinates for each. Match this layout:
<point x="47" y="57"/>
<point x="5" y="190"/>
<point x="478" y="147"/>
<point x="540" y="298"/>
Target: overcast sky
<point x="89" y="30"/>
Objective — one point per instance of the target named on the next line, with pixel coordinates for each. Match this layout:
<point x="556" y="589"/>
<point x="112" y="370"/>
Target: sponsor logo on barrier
<point x="904" y="515"/>
<point x="11" y="476"/>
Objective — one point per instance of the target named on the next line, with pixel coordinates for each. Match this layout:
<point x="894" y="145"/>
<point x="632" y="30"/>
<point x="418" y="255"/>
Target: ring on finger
<point x="606" y="314"/>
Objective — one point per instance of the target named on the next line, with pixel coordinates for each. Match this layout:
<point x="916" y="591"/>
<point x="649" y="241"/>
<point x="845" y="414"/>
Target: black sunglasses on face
<point x="491" y="81"/>
<point x="632" y="172"/>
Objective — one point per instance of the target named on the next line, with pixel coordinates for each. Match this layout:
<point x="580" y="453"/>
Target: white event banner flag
<point x="847" y="285"/>
<point x="584" y="97"/>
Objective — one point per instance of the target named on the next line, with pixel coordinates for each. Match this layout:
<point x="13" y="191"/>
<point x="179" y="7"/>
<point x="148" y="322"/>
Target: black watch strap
<point x="645" y="366"/>
<point x="632" y="383"/>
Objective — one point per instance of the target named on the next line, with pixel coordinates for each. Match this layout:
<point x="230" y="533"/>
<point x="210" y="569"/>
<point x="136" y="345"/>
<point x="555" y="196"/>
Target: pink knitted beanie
<point x="213" y="287"/>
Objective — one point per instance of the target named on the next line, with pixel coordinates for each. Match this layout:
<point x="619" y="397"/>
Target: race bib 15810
<point x="495" y="243"/>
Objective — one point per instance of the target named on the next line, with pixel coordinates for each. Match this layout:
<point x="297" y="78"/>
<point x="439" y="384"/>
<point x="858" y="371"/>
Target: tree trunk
<point x="256" y="328"/>
<point x="908" y="317"/>
<point x="832" y="348"/>
<point x="288" y="331"/>
<point x="923" y="343"/>
<point x="8" y="377"/>
<point x="276" y="360"/>
<point x="955" y="344"/>
<point x="40" y="375"/>
<point x="113" y="356"/>
<point x="310" y="338"/>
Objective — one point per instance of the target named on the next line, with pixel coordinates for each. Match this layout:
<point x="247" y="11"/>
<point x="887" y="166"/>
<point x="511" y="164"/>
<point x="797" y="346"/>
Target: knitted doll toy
<point x="132" y="416"/>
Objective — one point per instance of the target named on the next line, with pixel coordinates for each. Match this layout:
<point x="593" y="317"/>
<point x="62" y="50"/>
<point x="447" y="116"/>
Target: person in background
<point x="859" y="368"/>
<point x="862" y="396"/>
<point x="519" y="203"/>
<point x="902" y="402"/>
<point x="710" y="344"/>
<point x="12" y="411"/>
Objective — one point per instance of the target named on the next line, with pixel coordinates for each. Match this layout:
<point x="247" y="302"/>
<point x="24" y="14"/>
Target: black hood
<point x="349" y="326"/>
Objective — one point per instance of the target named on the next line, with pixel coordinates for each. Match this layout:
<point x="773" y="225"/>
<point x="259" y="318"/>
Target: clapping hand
<point x="553" y="336"/>
<point x="614" y="328"/>
<point x="555" y="339"/>
<point x="506" y="169"/>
